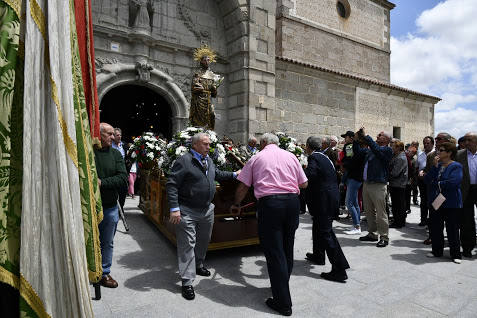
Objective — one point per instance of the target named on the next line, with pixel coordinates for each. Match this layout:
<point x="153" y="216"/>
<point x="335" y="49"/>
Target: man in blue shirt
<point x="118" y="145"/>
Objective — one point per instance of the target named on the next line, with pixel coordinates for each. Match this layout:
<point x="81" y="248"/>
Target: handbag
<point x="436" y="204"/>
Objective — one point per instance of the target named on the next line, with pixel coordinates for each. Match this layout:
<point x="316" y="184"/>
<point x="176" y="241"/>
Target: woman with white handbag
<point x="445" y="197"/>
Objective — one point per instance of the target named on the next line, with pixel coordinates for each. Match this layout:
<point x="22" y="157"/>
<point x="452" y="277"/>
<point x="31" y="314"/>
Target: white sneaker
<point x="457" y="260"/>
<point x="353" y="231"/>
<point x="430" y="254"/>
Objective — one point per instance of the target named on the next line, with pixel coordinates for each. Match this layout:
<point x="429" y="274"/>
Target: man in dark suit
<point x="468" y="159"/>
<point x="190" y="191"/>
<point x="322" y="197"/>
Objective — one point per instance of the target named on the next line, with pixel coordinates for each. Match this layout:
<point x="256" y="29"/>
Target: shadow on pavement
<point x="157" y="256"/>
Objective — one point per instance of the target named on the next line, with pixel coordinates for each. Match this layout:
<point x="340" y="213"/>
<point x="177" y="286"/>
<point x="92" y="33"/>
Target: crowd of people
<point x="363" y="175"/>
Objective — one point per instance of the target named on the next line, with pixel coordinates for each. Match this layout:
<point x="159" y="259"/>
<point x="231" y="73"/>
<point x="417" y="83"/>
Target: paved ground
<point x="396" y="281"/>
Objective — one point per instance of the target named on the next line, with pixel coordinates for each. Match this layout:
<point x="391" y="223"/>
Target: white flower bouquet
<point x="148" y="151"/>
<point x="181" y="143"/>
<point x="289" y="144"/>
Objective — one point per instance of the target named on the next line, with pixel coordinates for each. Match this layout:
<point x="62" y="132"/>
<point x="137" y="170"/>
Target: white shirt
<point x="421" y="160"/>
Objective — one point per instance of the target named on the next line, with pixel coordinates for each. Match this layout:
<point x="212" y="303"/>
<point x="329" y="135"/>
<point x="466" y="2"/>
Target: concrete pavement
<point x="395" y="281"/>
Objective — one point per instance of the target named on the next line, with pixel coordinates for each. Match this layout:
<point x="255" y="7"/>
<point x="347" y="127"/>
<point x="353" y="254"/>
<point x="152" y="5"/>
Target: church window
<point x="343" y="8"/>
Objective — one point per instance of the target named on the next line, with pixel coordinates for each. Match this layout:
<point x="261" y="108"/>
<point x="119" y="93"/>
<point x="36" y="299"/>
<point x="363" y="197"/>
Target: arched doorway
<point x="136" y="109"/>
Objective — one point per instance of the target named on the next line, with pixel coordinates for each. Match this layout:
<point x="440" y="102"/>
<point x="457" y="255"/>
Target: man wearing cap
<point x="353" y="164"/>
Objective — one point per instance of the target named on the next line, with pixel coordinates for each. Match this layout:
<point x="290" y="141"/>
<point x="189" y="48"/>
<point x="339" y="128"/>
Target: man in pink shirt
<point x="276" y="176"/>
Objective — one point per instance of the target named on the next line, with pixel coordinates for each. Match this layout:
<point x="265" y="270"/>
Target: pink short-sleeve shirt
<point x="273" y="171"/>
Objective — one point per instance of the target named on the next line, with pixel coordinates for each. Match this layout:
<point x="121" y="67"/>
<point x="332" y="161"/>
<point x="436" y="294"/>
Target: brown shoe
<point x="108" y="281"/>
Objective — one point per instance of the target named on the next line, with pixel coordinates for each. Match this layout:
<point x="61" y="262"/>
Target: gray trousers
<point x="193" y="236"/>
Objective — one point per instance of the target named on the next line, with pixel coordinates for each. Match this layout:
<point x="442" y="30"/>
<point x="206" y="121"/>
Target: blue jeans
<point x="107" y="229"/>
<point x="352" y="187"/>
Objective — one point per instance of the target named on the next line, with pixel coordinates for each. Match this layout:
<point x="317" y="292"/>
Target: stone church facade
<point x="306" y="67"/>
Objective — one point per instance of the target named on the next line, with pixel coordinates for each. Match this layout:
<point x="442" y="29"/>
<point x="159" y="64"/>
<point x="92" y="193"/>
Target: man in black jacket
<point x="322" y="198"/>
<point x="190" y="191"/>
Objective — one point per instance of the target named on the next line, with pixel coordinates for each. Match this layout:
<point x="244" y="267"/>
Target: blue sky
<point x="434" y="51"/>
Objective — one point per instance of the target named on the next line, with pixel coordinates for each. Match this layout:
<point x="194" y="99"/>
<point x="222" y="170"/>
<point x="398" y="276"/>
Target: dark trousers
<point x="423" y="204"/>
<point x="451" y="219"/>
<point x="302" y="201"/>
<point x="398" y="205"/>
<point x="407" y="196"/>
<point x="324" y="240"/>
<point x="467" y="221"/>
<point x="414" y="191"/>
<point x="277" y="222"/>
<point x="122" y="192"/>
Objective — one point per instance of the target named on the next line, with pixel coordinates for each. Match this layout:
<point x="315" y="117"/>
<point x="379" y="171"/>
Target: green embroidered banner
<point x="89" y="189"/>
<point x="11" y="159"/>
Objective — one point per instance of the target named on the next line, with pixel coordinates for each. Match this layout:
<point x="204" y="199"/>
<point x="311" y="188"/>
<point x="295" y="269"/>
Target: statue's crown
<point x="205" y="50"/>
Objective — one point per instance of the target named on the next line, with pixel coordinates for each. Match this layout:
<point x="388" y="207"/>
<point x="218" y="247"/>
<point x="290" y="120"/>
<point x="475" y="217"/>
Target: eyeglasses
<point x="442" y="150"/>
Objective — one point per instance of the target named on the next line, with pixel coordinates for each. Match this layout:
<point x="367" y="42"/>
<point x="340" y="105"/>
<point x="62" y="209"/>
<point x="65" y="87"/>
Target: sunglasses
<point x="442" y="150"/>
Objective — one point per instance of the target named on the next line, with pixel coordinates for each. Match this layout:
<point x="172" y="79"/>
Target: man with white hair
<point x="375" y="176"/>
<point x="190" y="191"/>
<point x="276" y="177"/>
<point x="252" y="145"/>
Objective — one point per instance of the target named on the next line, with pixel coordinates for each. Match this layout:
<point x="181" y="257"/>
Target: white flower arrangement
<point x="147" y="150"/>
<point x="289" y="144"/>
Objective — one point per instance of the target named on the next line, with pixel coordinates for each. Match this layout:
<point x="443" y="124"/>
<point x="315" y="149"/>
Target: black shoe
<point x="422" y="223"/>
<point x="368" y="238"/>
<point x="382" y="243"/>
<point x="467" y="254"/>
<point x="312" y="258"/>
<point x="202" y="271"/>
<point x="395" y="226"/>
<point x="188" y="292"/>
<point x="284" y="311"/>
<point x="335" y="276"/>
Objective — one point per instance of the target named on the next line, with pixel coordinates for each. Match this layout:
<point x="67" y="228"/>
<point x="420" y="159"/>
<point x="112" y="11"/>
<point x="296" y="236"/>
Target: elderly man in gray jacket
<point x="190" y="191"/>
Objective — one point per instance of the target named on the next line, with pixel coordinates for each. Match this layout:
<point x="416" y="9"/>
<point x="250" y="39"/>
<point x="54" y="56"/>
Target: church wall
<point x="308" y="102"/>
<point x="299" y="41"/>
<point x="368" y="21"/>
<point x="313" y="102"/>
<point x="358" y="45"/>
<point x="378" y="111"/>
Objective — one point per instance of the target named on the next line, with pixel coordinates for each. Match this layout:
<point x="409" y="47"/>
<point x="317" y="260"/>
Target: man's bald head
<point x="471" y="141"/>
<point x="107" y="134"/>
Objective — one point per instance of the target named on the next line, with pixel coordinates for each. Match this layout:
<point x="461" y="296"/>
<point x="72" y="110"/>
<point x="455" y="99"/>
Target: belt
<point x="279" y="196"/>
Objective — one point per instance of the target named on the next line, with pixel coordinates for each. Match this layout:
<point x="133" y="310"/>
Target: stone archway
<point x="137" y="109"/>
<point x="112" y="74"/>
